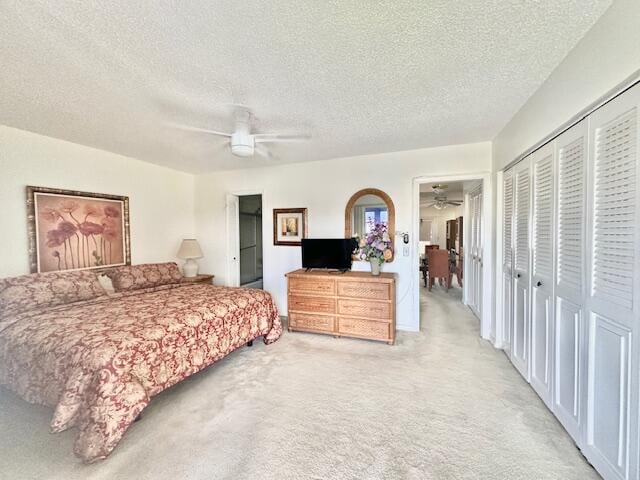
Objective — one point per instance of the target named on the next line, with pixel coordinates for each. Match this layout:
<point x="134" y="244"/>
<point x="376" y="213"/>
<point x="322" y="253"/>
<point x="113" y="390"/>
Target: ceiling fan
<point x="439" y="188"/>
<point x="242" y="141"/>
<point x="440" y="200"/>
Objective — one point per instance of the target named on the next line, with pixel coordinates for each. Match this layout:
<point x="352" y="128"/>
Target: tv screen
<point x="331" y="253"/>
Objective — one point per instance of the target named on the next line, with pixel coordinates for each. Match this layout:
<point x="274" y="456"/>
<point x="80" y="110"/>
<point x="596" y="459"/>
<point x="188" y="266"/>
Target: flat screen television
<point x="329" y="253"/>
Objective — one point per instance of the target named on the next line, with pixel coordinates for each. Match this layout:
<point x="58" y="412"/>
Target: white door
<point x="570" y="288"/>
<point x="233" y="240"/>
<point x="613" y="304"/>
<point x="520" y="348"/>
<point x="476" y="252"/>
<point x="507" y="259"/>
<point x="542" y="272"/>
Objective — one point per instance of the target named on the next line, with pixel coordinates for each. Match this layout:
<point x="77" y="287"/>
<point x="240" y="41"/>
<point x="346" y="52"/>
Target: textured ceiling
<point x="359" y="76"/>
<point x="454" y="190"/>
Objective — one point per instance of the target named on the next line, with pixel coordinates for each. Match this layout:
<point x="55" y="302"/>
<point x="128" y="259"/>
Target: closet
<point x="521" y="311"/>
<point x="570" y="288"/>
<point x="571" y="280"/>
<point x="507" y="256"/>
<point x="541" y="284"/>
<point x="475" y="251"/>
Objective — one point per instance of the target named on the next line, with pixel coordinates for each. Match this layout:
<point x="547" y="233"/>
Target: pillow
<point x="105" y="282"/>
<point x="43" y="290"/>
<point x="135" y="277"/>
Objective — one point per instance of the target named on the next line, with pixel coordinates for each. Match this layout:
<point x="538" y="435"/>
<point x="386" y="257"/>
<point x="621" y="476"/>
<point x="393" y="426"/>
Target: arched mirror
<point x="367" y="208"/>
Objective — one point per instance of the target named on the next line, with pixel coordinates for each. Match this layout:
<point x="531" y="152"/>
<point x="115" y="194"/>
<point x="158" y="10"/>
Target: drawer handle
<point x="369" y="309"/>
<point x="311" y="304"/>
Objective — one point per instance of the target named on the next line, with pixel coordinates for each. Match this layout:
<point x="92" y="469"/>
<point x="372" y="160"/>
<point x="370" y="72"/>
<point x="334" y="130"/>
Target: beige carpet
<point x="442" y="404"/>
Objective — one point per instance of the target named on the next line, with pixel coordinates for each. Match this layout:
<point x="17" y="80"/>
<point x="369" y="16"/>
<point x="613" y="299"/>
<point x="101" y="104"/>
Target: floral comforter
<point x="99" y="362"/>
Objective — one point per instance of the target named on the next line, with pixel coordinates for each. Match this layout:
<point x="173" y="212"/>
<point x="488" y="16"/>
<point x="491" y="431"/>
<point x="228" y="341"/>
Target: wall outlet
<point x="405" y="250"/>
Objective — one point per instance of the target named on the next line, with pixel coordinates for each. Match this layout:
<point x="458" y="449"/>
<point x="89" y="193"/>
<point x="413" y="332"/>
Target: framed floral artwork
<point x="71" y="230"/>
<point x="289" y="226"/>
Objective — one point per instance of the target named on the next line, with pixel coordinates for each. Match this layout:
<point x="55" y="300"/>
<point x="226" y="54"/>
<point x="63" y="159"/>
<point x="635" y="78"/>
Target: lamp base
<point x="190" y="268"/>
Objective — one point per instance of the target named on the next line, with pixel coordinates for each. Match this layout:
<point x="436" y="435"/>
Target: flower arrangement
<point x="81" y="236"/>
<point x="376" y="246"/>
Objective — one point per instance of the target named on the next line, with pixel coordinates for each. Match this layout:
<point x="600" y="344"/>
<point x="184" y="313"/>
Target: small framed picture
<point x="289" y="226"/>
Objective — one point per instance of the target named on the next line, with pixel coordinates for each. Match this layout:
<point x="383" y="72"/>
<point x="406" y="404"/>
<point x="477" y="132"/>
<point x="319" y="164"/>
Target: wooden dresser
<point x="351" y="304"/>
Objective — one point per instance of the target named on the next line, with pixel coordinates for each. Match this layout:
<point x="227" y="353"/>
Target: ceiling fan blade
<point x="223" y="147"/>
<point x="201" y="130"/>
<point x="281" y="138"/>
<point x="263" y="152"/>
<point x="454" y="202"/>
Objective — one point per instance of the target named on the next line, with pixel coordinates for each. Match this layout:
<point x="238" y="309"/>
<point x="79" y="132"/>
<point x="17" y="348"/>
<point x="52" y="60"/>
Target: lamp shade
<point x="190" y="248"/>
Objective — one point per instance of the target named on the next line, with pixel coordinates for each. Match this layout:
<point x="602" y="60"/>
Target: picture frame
<point x="75" y="230"/>
<point x="289" y="226"/>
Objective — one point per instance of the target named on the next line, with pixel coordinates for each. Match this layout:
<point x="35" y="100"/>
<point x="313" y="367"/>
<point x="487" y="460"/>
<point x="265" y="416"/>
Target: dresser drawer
<point x="376" y="291"/>
<point x="303" y="303"/>
<point x="365" y="308"/>
<point x="312" y="285"/>
<point x="364" y="328"/>
<point x="326" y="323"/>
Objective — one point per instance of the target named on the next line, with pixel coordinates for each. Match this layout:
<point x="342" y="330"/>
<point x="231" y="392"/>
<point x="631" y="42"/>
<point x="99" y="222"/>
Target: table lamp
<point x="190" y="250"/>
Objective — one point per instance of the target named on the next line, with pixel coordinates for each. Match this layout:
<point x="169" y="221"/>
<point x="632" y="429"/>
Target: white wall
<point x="161" y="199"/>
<point x="440" y="218"/>
<point x="608" y="54"/>
<point x="324" y="188"/>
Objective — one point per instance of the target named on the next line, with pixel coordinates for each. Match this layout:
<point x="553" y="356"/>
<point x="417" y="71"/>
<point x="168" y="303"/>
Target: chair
<point x="438" y="261"/>
<point x="452" y="260"/>
<point x="430" y="247"/>
<point x="424" y="268"/>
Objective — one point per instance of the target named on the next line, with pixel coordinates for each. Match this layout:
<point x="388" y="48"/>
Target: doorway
<point x="250" y="230"/>
<point x="453" y="217"/>
<point x="244" y="240"/>
<point x="441" y="240"/>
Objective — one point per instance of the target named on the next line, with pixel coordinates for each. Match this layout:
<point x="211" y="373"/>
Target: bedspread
<point x="98" y="363"/>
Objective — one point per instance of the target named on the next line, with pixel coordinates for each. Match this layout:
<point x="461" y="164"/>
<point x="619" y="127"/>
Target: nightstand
<point x="202" y="278"/>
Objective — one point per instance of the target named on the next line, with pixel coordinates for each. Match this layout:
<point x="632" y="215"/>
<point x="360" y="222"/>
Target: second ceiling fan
<point x="440" y="200"/>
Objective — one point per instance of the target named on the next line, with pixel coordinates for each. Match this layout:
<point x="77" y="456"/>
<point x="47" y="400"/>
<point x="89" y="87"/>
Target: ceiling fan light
<point x="242" y="144"/>
<point x="242" y="150"/>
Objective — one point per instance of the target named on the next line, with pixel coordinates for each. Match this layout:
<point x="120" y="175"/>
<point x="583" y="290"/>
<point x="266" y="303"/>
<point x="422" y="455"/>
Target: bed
<point x="98" y="359"/>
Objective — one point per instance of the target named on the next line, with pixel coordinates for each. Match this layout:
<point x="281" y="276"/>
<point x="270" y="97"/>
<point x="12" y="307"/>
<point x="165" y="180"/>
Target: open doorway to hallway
<point x="250" y="236"/>
<point x="441" y="242"/>
<point x="450" y="243"/>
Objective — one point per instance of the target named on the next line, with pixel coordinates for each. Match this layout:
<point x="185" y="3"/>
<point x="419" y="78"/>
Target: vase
<point x="375" y="267"/>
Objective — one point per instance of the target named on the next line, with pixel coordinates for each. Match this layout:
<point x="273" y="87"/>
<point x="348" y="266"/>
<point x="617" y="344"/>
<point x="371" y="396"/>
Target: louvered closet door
<point x="476" y="253"/>
<point x="470" y="252"/>
<point x="542" y="272"/>
<point x="507" y="258"/>
<point x="570" y="289"/>
<point x="520" y="349"/>
<point x="613" y="310"/>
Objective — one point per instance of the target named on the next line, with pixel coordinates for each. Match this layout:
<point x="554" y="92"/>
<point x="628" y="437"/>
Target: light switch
<point x="405" y="250"/>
